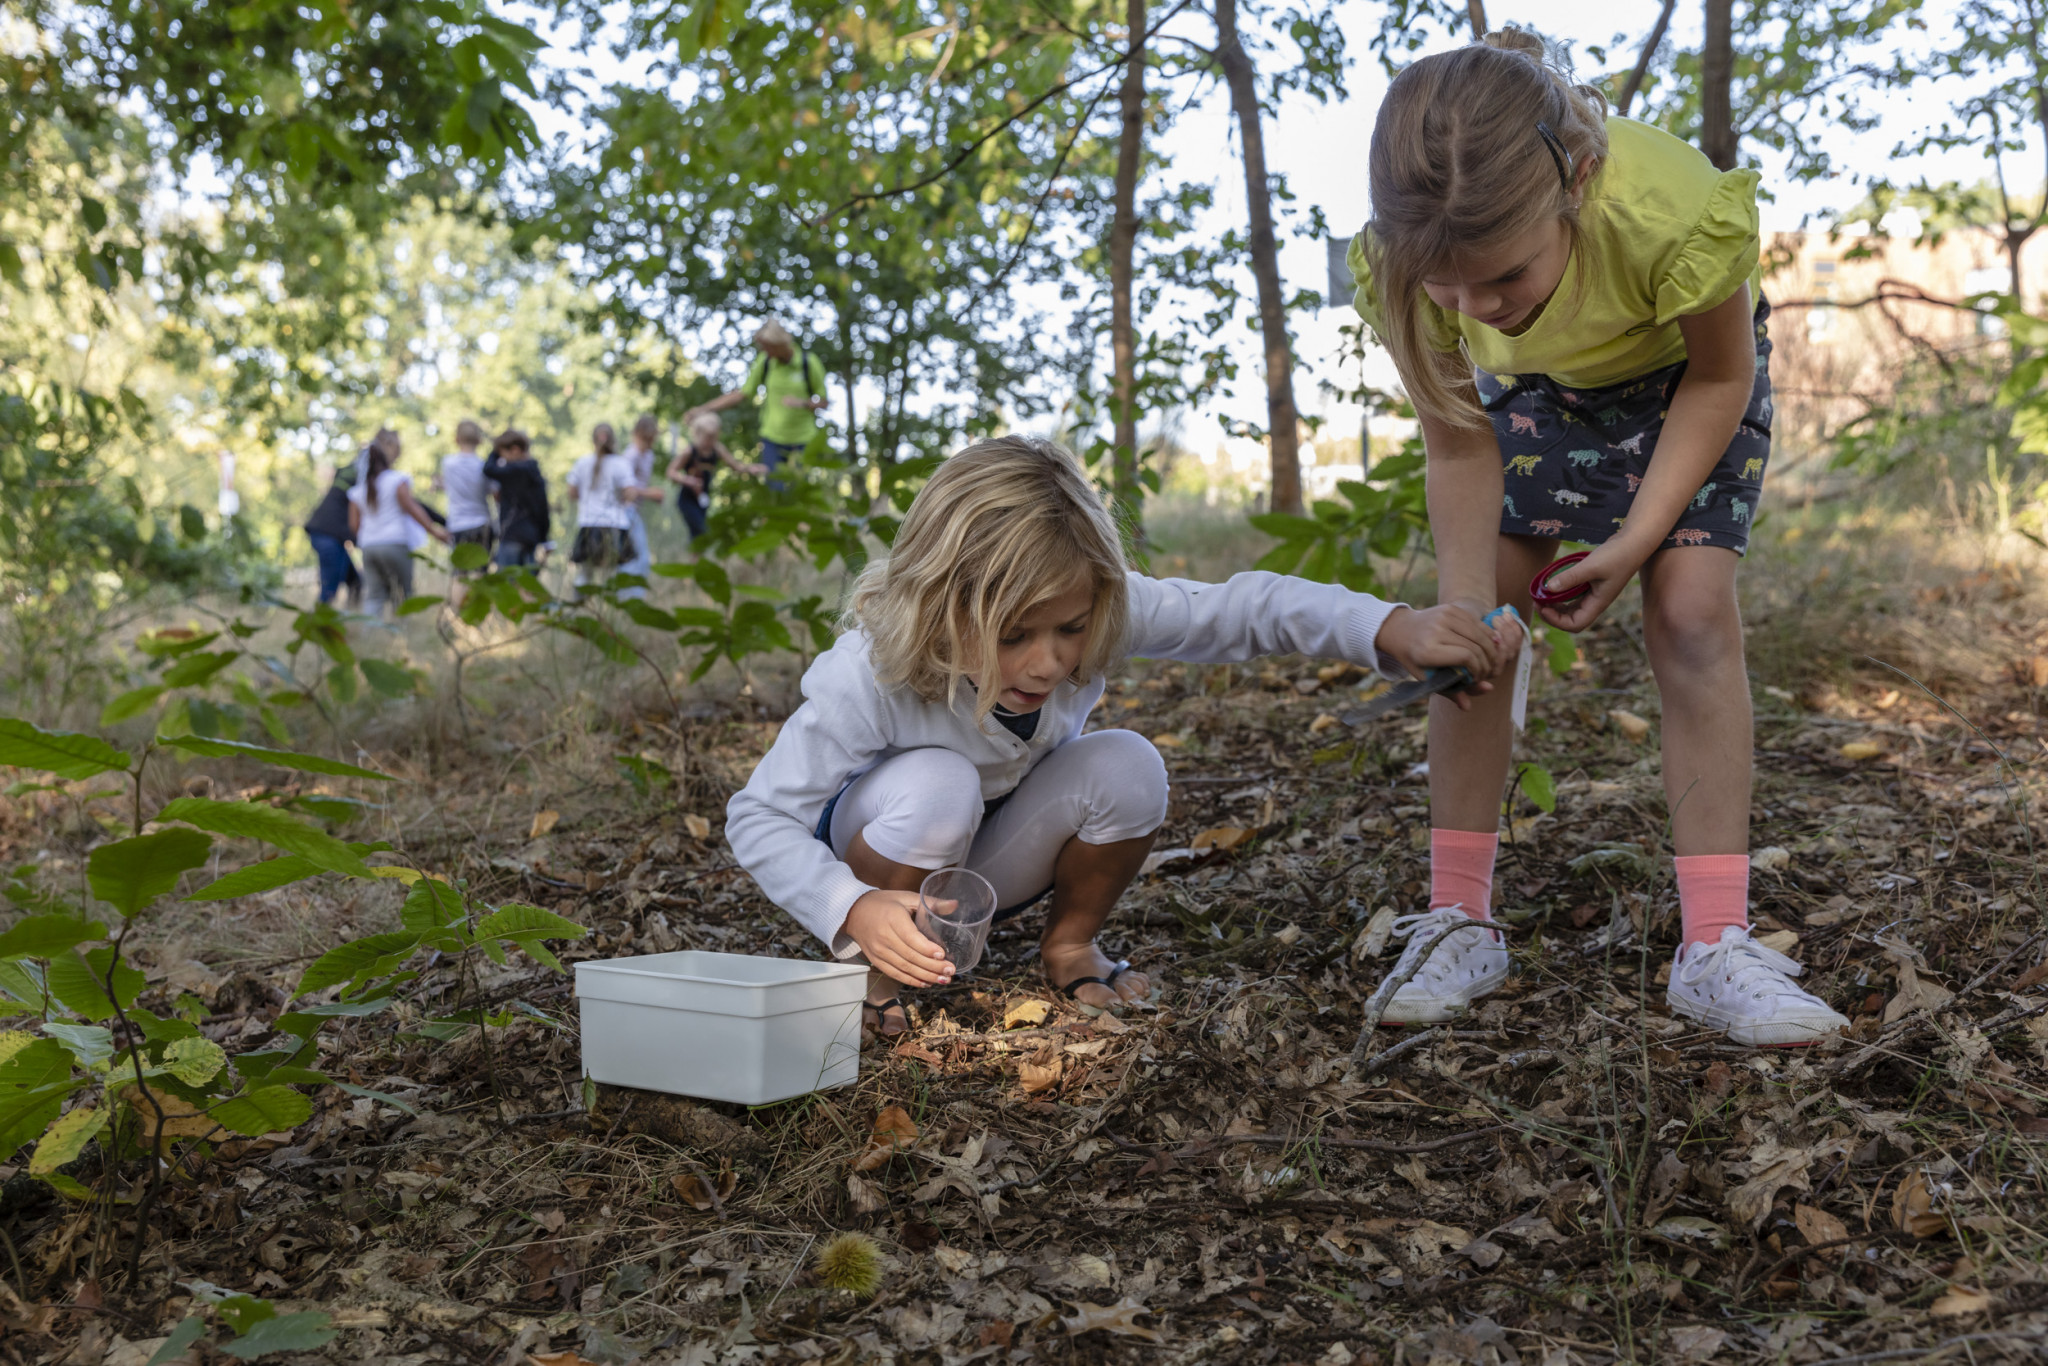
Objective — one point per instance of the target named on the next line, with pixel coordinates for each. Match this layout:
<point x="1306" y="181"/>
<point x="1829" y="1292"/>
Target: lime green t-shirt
<point x="1666" y="235"/>
<point x="780" y="423"/>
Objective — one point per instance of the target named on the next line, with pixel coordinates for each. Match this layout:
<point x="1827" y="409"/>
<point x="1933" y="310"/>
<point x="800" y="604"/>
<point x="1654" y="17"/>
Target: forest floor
<point x="1569" y="1175"/>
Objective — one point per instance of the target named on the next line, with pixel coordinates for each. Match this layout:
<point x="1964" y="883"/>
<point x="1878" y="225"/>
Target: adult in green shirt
<point x="791" y="382"/>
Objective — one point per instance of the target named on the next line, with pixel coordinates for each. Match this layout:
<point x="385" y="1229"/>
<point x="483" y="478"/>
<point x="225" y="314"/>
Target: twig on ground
<point x="1381" y="999"/>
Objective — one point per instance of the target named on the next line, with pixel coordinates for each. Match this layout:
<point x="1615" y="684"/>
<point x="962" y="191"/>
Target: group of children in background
<point x="371" y="505"/>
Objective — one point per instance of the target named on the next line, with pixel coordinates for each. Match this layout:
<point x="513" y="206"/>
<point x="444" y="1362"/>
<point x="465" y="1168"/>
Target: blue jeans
<point x="773" y="453"/>
<point x="336" y="567"/>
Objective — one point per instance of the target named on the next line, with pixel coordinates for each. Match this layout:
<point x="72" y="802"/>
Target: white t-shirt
<point x="462" y="475"/>
<point x="641" y="459"/>
<point x="603" y="483"/>
<point x="387" y="523"/>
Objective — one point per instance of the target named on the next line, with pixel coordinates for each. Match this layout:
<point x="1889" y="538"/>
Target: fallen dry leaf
<point x="865" y="1195"/>
<point x="894" y="1131"/>
<point x="911" y="1048"/>
<point x="1119" y="1318"/>
<point x="1630" y="725"/>
<point x="2032" y="977"/>
<point x="1720" y="1079"/>
<point x="691" y="1189"/>
<point x="1913" y="1208"/>
<point x="1322" y="723"/>
<point x="1817" y="1226"/>
<point x="1222" y="837"/>
<point x="1696" y="1342"/>
<point x="1860" y="750"/>
<point x="543" y="821"/>
<point x="1779" y="941"/>
<point x="2035" y="670"/>
<point x="699" y="828"/>
<point x="1770" y="859"/>
<point x="559" y="1359"/>
<point x="1960" y="1299"/>
<point x="1168" y="741"/>
<point x="1020" y="1014"/>
<point x="1038" y="1077"/>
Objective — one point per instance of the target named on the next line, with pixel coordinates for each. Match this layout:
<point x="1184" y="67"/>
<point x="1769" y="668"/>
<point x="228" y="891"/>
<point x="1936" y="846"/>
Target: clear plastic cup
<point x="955" y="907"/>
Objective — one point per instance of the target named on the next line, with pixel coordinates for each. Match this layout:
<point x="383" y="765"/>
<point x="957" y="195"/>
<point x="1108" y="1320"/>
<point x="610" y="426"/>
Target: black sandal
<point x="1091" y="1011"/>
<point x="882" y="1010"/>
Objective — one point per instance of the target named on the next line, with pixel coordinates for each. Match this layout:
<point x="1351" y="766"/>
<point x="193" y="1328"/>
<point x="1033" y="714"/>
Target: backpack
<point x="803" y="360"/>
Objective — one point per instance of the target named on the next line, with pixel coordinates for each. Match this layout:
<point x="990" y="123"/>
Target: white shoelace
<point x="1408" y="927"/>
<point x="1751" y="968"/>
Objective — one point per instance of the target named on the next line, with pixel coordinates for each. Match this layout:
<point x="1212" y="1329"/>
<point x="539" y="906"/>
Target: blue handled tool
<point x="1445" y="680"/>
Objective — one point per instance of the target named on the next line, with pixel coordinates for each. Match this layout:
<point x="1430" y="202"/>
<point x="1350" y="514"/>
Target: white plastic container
<point x="721" y="1026"/>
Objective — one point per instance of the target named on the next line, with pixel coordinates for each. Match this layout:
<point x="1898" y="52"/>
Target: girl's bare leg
<point x="1692" y="628"/>
<point x="1087" y="880"/>
<point x="1469" y="750"/>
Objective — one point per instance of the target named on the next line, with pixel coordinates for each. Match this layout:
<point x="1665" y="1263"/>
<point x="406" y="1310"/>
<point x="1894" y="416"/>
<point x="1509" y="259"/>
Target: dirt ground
<point x="1569" y="1175"/>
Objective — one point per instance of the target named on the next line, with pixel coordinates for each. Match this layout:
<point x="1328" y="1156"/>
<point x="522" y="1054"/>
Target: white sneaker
<point x="1464" y="967"/>
<point x="1744" y="989"/>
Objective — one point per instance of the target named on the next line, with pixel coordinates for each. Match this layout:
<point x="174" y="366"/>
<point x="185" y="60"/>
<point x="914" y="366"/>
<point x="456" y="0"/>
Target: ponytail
<point x="381" y="447"/>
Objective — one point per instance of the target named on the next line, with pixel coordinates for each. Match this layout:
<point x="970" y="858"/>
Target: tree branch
<point x="960" y="157"/>
<point x="1644" y="58"/>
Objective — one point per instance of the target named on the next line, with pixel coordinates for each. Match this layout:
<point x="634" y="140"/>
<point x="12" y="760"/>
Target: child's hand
<point x="1608" y="569"/>
<point x="883" y="925"/>
<point x="1450" y="636"/>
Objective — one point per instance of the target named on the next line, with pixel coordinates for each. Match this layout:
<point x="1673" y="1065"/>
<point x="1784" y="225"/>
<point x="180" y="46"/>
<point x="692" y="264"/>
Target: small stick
<point x="1380" y="1061"/>
<point x="1371" y="1145"/>
<point x="1381" y="999"/>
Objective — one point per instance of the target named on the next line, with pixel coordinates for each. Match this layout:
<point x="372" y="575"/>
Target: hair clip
<point x="1562" y="155"/>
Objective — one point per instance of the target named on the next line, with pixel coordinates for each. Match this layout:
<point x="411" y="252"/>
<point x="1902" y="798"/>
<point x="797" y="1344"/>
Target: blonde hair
<point x="467" y="430"/>
<point x="772" y="335"/>
<point x="1003" y="526"/>
<point x="705" y="422"/>
<point x="1458" y="165"/>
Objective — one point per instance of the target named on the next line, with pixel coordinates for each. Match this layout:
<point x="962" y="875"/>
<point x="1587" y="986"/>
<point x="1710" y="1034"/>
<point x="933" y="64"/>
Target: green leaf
<point x="251" y="820"/>
<point x="522" y="921"/>
<point x="131" y="703"/>
<point x="282" y="758"/>
<point x="243" y="1312"/>
<point x="284" y="1333"/>
<point x="431" y="905"/>
<point x="22" y="983"/>
<point x="469" y="556"/>
<point x="183" y="1336"/>
<point x="334" y="809"/>
<point x="341" y="681"/>
<point x="77" y="989"/>
<point x="194" y="1061"/>
<point x="26" y="1111"/>
<point x="1564" y="651"/>
<point x="193" y="670"/>
<point x="129" y="874"/>
<point x="89" y="1044"/>
<point x="45" y="936"/>
<point x="381" y="1097"/>
<point x="62" y="752"/>
<point x="66" y="1139"/>
<point x="357" y="961"/>
<point x="67" y="1187"/>
<point x="258" y="877"/>
<point x="266" y="1110"/>
<point x="388" y="678"/>
<point x="413" y="606"/>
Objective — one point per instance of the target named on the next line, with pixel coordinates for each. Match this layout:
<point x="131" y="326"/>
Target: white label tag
<point x="1519" y="709"/>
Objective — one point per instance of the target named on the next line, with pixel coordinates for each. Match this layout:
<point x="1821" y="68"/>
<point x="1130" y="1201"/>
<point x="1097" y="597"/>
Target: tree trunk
<point x="1644" y="58"/>
<point x="1283" y="436"/>
<point x="1717" y="73"/>
<point x="1128" y="493"/>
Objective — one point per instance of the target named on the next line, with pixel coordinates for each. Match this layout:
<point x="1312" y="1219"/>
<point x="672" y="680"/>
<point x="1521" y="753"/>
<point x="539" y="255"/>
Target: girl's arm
<point x="1720" y="373"/>
<point x="735" y="465"/>
<point x="355" y="519"/>
<point x="675" y="469"/>
<point x="411" y="506"/>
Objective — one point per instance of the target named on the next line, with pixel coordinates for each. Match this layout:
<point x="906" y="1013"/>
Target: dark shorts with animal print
<point x="1574" y="458"/>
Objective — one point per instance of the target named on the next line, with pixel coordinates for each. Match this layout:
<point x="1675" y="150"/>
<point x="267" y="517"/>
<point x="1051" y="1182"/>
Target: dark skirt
<point x="602" y="545"/>
<point x="1574" y="459"/>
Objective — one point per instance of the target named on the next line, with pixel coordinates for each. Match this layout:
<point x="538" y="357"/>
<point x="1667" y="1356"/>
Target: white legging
<point x="923" y="808"/>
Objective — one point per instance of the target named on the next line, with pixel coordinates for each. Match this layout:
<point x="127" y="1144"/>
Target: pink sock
<point x="1713" y="893"/>
<point x="1461" y="871"/>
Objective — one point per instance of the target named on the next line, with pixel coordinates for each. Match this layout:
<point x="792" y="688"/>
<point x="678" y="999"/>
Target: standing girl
<point x="944" y="726"/>
<point x="523" y="522"/>
<point x="462" y="478"/>
<point x="386" y="522"/>
<point x="601" y="485"/>
<point x="693" y="466"/>
<point x="1572" y="302"/>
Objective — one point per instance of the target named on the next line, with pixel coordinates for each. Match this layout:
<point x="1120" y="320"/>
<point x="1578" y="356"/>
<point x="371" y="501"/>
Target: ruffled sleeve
<point x="1720" y="252"/>
<point x="1365" y="297"/>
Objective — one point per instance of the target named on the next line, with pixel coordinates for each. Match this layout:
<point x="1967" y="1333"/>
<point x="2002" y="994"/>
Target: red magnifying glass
<point x="1539" y="587"/>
